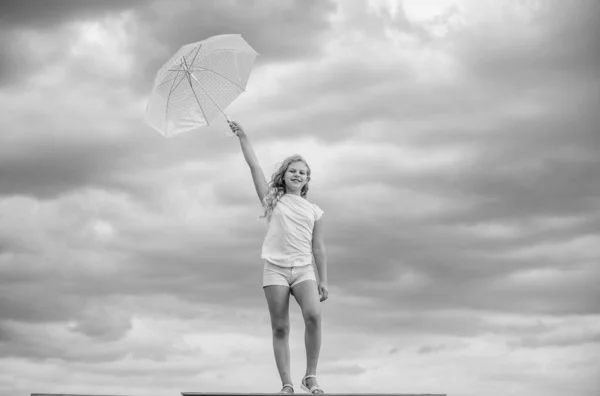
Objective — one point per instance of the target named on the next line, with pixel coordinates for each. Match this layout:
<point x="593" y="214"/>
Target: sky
<point x="454" y="150"/>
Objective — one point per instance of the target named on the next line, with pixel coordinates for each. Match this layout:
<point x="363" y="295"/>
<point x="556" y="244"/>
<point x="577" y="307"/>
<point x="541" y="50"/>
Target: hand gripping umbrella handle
<point x="231" y="127"/>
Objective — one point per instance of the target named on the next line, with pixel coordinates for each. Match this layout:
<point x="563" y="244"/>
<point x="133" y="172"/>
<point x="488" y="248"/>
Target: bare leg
<point x="278" y="299"/>
<point x="307" y="295"/>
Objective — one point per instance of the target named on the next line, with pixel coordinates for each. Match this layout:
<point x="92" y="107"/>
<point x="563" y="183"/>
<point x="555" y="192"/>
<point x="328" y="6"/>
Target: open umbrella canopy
<point x="198" y="83"/>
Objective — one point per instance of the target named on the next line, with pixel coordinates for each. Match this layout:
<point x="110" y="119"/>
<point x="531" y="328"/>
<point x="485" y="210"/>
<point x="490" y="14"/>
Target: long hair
<point x="277" y="185"/>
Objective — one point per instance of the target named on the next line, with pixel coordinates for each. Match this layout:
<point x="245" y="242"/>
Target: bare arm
<point x="320" y="258"/>
<point x="260" y="182"/>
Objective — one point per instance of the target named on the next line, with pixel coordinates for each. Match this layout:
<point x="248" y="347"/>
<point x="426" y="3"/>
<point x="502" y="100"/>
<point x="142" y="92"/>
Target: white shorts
<point x="287" y="276"/>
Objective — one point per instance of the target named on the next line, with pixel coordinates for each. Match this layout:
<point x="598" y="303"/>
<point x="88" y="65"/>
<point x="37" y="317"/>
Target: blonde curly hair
<point x="277" y="185"/>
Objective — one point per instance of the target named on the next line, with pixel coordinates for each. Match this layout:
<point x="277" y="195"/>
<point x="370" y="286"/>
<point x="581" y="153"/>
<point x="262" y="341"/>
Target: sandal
<point x="288" y="386"/>
<point x="314" y="389"/>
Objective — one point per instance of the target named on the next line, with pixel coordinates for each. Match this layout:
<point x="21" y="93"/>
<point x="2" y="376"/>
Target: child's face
<point x="296" y="176"/>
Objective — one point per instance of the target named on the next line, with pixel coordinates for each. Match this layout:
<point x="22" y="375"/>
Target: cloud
<point x="43" y="14"/>
<point x="155" y="30"/>
<point x="426" y="349"/>
<point x="536" y="57"/>
<point x="559" y="340"/>
<point x="345" y="369"/>
<point x="26" y="29"/>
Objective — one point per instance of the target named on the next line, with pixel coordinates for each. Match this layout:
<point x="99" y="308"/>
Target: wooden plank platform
<point x="304" y="393"/>
<point x="256" y="394"/>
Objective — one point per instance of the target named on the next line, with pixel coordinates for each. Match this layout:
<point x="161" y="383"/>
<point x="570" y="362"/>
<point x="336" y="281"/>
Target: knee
<point x="313" y="318"/>
<point x="280" y="329"/>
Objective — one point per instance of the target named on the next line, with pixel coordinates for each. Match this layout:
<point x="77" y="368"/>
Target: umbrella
<point x="198" y="83"/>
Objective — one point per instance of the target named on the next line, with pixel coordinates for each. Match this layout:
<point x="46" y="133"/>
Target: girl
<point x="294" y="237"/>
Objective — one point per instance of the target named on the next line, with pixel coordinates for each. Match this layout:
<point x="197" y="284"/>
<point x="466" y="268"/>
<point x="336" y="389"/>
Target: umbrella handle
<point x="229" y="131"/>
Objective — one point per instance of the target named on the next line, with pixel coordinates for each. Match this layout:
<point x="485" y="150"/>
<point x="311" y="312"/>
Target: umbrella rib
<point x="171" y="79"/>
<point x="202" y="88"/>
<point x="219" y="74"/>
<point x="188" y="73"/>
<point x="197" y="49"/>
<point x="196" y="54"/>
<point x="174" y="78"/>
<point x="196" y="96"/>
<point x="228" y="49"/>
<point x="173" y="88"/>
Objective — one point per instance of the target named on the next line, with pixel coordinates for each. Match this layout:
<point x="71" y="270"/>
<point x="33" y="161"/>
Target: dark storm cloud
<point x="202" y="277"/>
<point x="24" y="300"/>
<point x="560" y="340"/>
<point x="32" y="344"/>
<point x="277" y="30"/>
<point x="39" y="166"/>
<point x="102" y="324"/>
<point x="565" y="49"/>
<point x="465" y="271"/>
<point x="191" y="267"/>
<point x="45" y="171"/>
<point x="44" y="14"/>
<point x="555" y="68"/>
<point x="35" y="347"/>
<point x="430" y="349"/>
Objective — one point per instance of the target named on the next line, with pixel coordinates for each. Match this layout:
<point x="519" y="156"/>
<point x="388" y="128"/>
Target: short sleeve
<point x="318" y="212"/>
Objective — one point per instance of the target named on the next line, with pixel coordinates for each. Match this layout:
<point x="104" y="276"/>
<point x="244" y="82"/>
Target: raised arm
<point x="260" y="182"/>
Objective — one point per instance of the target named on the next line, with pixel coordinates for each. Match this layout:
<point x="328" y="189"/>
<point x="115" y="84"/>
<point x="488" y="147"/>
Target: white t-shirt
<point x="288" y="241"/>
